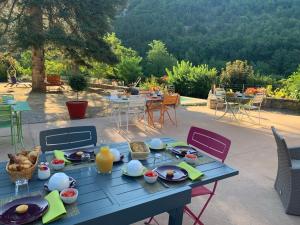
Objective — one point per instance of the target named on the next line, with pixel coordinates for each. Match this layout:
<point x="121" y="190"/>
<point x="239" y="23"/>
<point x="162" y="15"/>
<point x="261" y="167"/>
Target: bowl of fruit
<point x="190" y="158"/>
<point x="150" y="176"/>
<point x="69" y="195"/>
<point x="57" y="164"/>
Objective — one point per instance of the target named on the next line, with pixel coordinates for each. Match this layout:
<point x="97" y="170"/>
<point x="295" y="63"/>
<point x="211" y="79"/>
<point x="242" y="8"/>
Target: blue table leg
<point x="176" y="216"/>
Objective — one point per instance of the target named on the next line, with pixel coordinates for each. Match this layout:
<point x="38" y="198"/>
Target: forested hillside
<point x="264" y="32"/>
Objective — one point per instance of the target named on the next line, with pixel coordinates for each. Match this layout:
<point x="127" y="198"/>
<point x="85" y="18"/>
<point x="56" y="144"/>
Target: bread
<point x="23" y="160"/>
<point x="22" y="209"/>
<point x="170" y="173"/>
<point x="80" y="153"/>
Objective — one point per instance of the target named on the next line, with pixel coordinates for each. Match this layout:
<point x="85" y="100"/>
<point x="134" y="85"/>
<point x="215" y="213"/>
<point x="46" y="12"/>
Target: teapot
<point x="58" y="181"/>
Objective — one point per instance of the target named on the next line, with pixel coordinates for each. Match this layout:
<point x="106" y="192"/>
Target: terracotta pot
<point x="77" y="109"/>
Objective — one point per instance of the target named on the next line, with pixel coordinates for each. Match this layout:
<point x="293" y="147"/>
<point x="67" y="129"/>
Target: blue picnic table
<point x="114" y="199"/>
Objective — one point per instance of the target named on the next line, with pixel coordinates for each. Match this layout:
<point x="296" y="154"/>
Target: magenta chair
<point x="214" y="145"/>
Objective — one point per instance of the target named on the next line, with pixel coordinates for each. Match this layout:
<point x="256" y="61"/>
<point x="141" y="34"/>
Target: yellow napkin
<point x="178" y="143"/>
<point x="56" y="208"/>
<point x="61" y="155"/>
<point x="194" y="174"/>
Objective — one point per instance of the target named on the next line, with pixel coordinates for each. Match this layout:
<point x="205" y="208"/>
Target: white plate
<point x="124" y="171"/>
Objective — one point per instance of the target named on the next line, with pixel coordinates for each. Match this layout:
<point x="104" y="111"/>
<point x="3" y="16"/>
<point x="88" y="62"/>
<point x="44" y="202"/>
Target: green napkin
<point x="56" y="207"/>
<point x="61" y="155"/>
<point x="193" y="172"/>
<point x="177" y="143"/>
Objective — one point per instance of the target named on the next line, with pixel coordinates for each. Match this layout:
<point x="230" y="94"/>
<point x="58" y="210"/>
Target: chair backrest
<point x="284" y="159"/>
<point x="209" y="142"/>
<point x="5" y="97"/>
<point x="220" y="93"/>
<point x="5" y="115"/>
<point x="258" y="98"/>
<point x="68" y="138"/>
<point x="170" y="99"/>
<point x="136" y="101"/>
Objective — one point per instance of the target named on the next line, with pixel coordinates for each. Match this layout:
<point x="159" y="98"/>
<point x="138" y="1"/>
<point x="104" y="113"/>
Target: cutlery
<point x="163" y="183"/>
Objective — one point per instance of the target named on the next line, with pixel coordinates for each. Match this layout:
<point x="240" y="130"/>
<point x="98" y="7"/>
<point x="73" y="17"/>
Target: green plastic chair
<point x="7" y="120"/>
<point x="5" y="97"/>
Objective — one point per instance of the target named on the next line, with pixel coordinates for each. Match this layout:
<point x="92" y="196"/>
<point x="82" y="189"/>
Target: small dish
<point x="69" y="195"/>
<point x="79" y="155"/>
<point x="124" y="172"/>
<point x="150" y="176"/>
<point x="190" y="158"/>
<point x="57" y="164"/>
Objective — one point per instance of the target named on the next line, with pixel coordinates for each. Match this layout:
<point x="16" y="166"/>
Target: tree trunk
<point x="38" y="69"/>
<point x="38" y="60"/>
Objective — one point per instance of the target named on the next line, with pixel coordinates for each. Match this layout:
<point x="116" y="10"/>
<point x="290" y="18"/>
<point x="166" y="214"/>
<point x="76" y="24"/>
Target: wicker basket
<point x="24" y="174"/>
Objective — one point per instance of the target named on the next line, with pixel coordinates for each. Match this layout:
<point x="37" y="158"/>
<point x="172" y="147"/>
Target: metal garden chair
<point x="287" y="183"/>
<point x="255" y="104"/>
<point x="7" y="120"/>
<point x="214" y="145"/>
<point x="68" y="138"/>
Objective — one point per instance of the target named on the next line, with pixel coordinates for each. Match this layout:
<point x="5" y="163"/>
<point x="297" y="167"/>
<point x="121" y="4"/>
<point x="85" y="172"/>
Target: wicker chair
<point x="287" y="182"/>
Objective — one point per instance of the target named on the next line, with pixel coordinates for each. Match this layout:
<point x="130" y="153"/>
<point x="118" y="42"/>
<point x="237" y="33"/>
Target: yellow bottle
<point x="104" y="160"/>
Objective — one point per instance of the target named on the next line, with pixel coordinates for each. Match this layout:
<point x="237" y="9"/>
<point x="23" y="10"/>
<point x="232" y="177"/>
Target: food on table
<point x="80" y="153"/>
<point x="69" y="195"/>
<point x="138" y="147"/>
<point x="23" y="160"/>
<point x="43" y="171"/>
<point x="22" y="209"/>
<point x="150" y="176"/>
<point x="156" y="143"/>
<point x="150" y="173"/>
<point x="170" y="173"/>
<point x="58" y="161"/>
<point x="116" y="154"/>
<point x="104" y="160"/>
<point x="191" y="156"/>
<point x="135" y="168"/>
<point x="58" y="181"/>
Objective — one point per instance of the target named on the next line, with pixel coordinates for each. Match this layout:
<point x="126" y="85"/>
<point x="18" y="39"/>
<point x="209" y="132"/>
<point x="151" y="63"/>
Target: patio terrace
<point x="246" y="199"/>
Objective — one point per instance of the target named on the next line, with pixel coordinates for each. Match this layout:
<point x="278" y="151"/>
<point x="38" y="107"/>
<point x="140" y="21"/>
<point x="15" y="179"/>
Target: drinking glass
<point x="21" y="187"/>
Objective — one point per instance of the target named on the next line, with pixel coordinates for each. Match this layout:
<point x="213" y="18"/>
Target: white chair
<point x="255" y="104"/>
<point x="231" y="107"/>
<point x="135" y="108"/>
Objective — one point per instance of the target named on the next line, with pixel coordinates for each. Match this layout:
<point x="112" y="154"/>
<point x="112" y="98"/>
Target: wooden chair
<point x="54" y="81"/>
<point x="68" y="138"/>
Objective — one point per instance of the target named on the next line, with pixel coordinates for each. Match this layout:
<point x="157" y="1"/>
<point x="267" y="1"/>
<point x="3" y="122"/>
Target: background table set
<point x="131" y="191"/>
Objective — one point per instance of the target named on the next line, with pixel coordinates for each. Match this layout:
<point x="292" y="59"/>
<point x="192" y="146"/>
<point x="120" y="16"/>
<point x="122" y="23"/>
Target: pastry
<point x="22" y="209"/>
<point x="170" y="173"/>
<point x="79" y="153"/>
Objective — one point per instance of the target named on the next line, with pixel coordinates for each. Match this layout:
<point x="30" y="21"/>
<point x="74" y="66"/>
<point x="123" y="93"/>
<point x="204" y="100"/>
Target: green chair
<point x="5" y="97"/>
<point x="7" y="120"/>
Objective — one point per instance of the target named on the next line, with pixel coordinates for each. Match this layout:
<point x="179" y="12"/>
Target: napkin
<point x="193" y="172"/>
<point x="56" y="207"/>
<point x="61" y="155"/>
<point x="178" y="143"/>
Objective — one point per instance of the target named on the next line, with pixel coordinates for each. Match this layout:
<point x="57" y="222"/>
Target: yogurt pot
<point x="43" y="171"/>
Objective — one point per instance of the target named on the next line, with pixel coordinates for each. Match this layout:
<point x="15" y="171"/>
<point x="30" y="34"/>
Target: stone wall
<point x="281" y="103"/>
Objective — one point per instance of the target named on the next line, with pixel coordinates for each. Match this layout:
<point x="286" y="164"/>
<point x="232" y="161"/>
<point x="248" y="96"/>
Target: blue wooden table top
<point x="117" y="199"/>
<point x="21" y="106"/>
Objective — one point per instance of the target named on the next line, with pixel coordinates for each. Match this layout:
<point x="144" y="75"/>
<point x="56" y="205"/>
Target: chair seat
<point x="250" y="107"/>
<point x="201" y="190"/>
<point x="295" y="164"/>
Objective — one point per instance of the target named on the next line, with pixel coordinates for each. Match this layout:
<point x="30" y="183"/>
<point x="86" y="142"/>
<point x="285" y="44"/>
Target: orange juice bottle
<point x="104" y="160"/>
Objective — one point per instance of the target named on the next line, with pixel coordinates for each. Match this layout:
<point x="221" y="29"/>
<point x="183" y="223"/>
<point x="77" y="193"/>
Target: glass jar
<point x="104" y="160"/>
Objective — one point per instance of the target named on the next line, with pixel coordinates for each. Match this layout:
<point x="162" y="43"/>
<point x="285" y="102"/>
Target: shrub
<point x="129" y="69"/>
<point x="192" y="80"/>
<point x="78" y="83"/>
<point x="153" y="84"/>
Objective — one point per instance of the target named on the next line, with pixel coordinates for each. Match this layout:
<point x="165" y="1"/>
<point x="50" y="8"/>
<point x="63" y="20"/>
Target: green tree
<point x="129" y="69"/>
<point x="158" y="59"/>
<point x="192" y="80"/>
<point x="236" y="73"/>
<point x="76" y="27"/>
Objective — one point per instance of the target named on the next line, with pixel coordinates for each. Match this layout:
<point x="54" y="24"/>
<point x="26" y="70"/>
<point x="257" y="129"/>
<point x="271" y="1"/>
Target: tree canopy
<point x="213" y="32"/>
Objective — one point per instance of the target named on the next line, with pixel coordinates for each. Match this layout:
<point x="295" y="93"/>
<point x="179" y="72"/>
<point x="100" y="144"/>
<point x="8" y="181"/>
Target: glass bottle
<point x="104" y="160"/>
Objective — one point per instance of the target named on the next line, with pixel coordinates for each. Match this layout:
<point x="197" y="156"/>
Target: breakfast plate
<point x="171" y="173"/>
<point x="183" y="150"/>
<point x="23" y="210"/>
<point x="124" y="172"/>
<point x="77" y="156"/>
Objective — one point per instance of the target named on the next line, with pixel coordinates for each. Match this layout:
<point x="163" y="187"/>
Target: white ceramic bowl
<point x="156" y="143"/>
<point x="190" y="160"/>
<point x="116" y="153"/>
<point x="134" y="168"/>
<point x="57" y="166"/>
<point x="69" y="200"/>
<point x="151" y="180"/>
<point x="58" y="181"/>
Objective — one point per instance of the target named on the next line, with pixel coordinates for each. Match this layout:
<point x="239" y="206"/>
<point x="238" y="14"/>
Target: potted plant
<point x="77" y="108"/>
